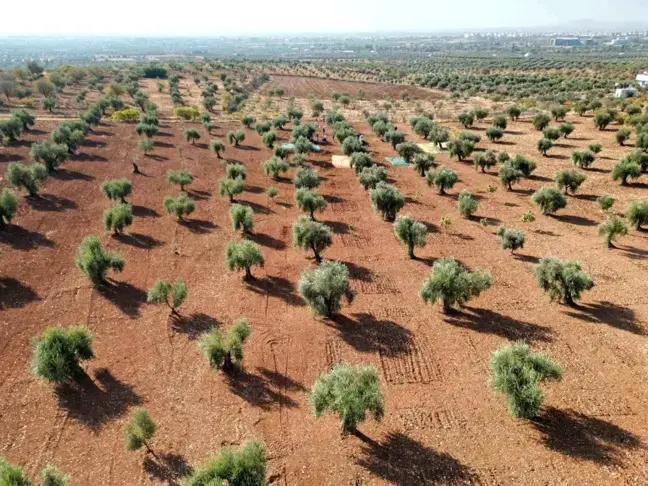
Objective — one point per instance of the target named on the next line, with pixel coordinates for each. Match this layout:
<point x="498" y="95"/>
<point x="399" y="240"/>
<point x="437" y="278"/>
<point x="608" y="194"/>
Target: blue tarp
<point x="396" y="161"/>
<point x="291" y="146"/>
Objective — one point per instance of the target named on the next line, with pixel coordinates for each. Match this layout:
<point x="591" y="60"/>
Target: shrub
<point x="371" y="176"/>
<point x="11" y="129"/>
<point x="494" y="134"/>
<point x="422" y="163"/>
<point x="274" y="166"/>
<point x="551" y="133"/>
<point x="549" y="200"/>
<point x="442" y="178"/>
<point x="508" y="175"/>
<point x="323" y="289"/>
<point x="48" y="104"/>
<point x="128" y="115"/>
<point x="309" y="202"/>
<point x="499" y="122"/>
<point x="139" y="430"/>
<point x="467" y="204"/>
<point x="243" y="256"/>
<point x="235" y="138"/>
<point x="528" y="217"/>
<point x="622" y="135"/>
<point x="484" y="160"/>
<point x="186" y="113"/>
<point x="544" y="145"/>
<point x="407" y="150"/>
<point x="181" y="206"/>
<point x="637" y="213"/>
<point x="245" y="466"/>
<point x="602" y="119"/>
<point x="350" y="392"/>
<point x="306" y="178"/>
<point x="118" y="217"/>
<point x="28" y="177"/>
<point x="513" y="112"/>
<point x="8" y="207"/>
<point x="145" y="145"/>
<point x="191" y="135"/>
<point x="452" y="284"/>
<point x="605" y="202"/>
<point x="566" y="129"/>
<point x="268" y="139"/>
<point x="410" y="232"/>
<point x="57" y="353"/>
<point x="541" y="121"/>
<point x="466" y="118"/>
<point x="25" y="118"/>
<point x="511" y="239"/>
<point x="242" y="217"/>
<point x="272" y="192"/>
<point x="517" y="374"/>
<point x="180" y="177"/>
<point x="641" y="141"/>
<point x="569" y="180"/>
<point x="225" y="355"/>
<point x="163" y="289"/>
<point x="595" y="148"/>
<point x="117" y="189"/>
<point x="94" y="262"/>
<point x="360" y="160"/>
<point x="51" y="477"/>
<point x="263" y="127"/>
<point x="311" y="235"/>
<point x="582" y="158"/>
<point x="612" y="228"/>
<point x="230" y="187"/>
<point x="387" y="200"/>
<point x="247" y="121"/>
<point x="561" y="280"/>
<point x="279" y="122"/>
<point x="624" y="169"/>
<point x="640" y="158"/>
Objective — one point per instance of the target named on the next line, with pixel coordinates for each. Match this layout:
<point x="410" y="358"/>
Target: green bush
<point x="118" y="217"/>
<point x="637" y="213"/>
<point x="117" y="189"/>
<point x="561" y="280"/>
<point x="164" y="292"/>
<point x="442" y="178"/>
<point x="94" y="262"/>
<point x="511" y="239"/>
<point x="243" y="256"/>
<point x="180" y="177"/>
<point x="371" y="176"/>
<point x="595" y="148"/>
<point x="272" y="192"/>
<point x="57" y="353"/>
<point x="139" y="430"/>
<point x="499" y="122"/>
<point x="29" y="178"/>
<point x="350" y="392"/>
<point x="612" y="228"/>
<point x="186" y="113"/>
<point x="467" y="204"/>
<point x="242" y="217"/>
<point x="311" y="235"/>
<point x="549" y="200"/>
<point x="605" y="202"/>
<point x="452" y="284"/>
<point x="386" y="200"/>
<point x="569" y="180"/>
<point x="230" y="187"/>
<point x="245" y="466"/>
<point x="494" y="134"/>
<point x="517" y="374"/>
<point x="410" y="232"/>
<point x="323" y="289"/>
<point x="306" y="178"/>
<point x="274" y="166"/>
<point x="181" y="206"/>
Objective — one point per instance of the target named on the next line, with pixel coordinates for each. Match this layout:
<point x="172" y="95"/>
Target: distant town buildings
<point x="642" y="79"/>
<point x="567" y="42"/>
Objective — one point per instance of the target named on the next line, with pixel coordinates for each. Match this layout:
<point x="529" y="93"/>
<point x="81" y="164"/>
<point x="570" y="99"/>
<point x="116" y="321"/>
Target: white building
<point x="642" y="79"/>
<point x="627" y="92"/>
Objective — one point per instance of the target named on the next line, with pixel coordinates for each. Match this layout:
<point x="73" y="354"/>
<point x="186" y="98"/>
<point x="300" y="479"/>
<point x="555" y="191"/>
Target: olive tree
<point x="245" y="466"/>
<point x="544" y="145"/>
<point x="49" y="153"/>
<point x="118" y="217"/>
<point x="180" y="177"/>
<point x="351" y="145"/>
<point x="243" y="255"/>
<point x="247" y="121"/>
<point x="171" y="294"/>
<point x="268" y="139"/>
<point x="485" y="160"/>
<point x="371" y="176"/>
<point x="442" y="178"/>
<point x="58" y="353"/>
<point x="230" y="187"/>
<point x="407" y="150"/>
<point x="552" y="133"/>
<point x="191" y="135"/>
<point x="311" y="235"/>
<point x="561" y="280"/>
<point x="11" y="475"/>
<point x="605" y="202"/>
<point x="217" y="146"/>
<point x="516" y="372"/>
<point x="549" y="200"/>
<point x="8" y="207"/>
<point x="148" y="129"/>
<point x="582" y="158"/>
<point x="541" y="121"/>
<point x="602" y="119"/>
<point x="566" y="129"/>
<point x="394" y="137"/>
<point x="494" y="134"/>
<point x="324" y="288"/>
<point x="140" y="430"/>
<point x="274" y="166"/>
<point x="387" y="200"/>
<point x="513" y="112"/>
<point x="452" y="284"/>
<point x="360" y="160"/>
<point x="511" y="239"/>
<point x="467" y="118"/>
<point x="499" y="122"/>
<point x="181" y="206"/>
<point x="94" y="262"/>
<point x="467" y="204"/>
<point x="422" y="163"/>
<point x="225" y="352"/>
<point x="235" y="138"/>
<point x="624" y="169"/>
<point x="309" y="202"/>
<point x="29" y="178"/>
<point x="410" y="232"/>
<point x="622" y="136"/>
<point x="48" y="104"/>
<point x="349" y="391"/>
<point x="461" y="148"/>
<point x="637" y="213"/>
<point x="569" y="180"/>
<point x="306" y="178"/>
<point x="117" y="189"/>
<point x="559" y="112"/>
<point x="611" y="229"/>
<point x="242" y="217"/>
<point x="145" y="145"/>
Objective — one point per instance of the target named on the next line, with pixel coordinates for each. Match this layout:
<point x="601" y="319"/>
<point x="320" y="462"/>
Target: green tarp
<point x="291" y="146"/>
<point x="396" y="161"/>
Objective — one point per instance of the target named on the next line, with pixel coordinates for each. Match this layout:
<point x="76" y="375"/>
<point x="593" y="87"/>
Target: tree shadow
<point x="609" y="313"/>
<point x="546" y="233"/>
<point x="169" y="468"/>
<point x="491" y="322"/>
<point x="526" y="258"/>
<point x="95" y="403"/>
<point x="403" y="461"/>
<point x="280" y="380"/>
<point x="256" y="207"/>
<point x="14" y="294"/>
<point x="50" y="202"/>
<point x="333" y="199"/>
<point x="257" y="391"/>
<point x="199" y="195"/>
<point x="144" y="212"/>
<point x="558" y="156"/>
<point x="573" y="219"/>
<point x="279" y="287"/>
<point x="267" y="240"/>
<point x="358" y="272"/>
<point x="86" y="157"/>
<point x="198" y="226"/>
<point x="537" y="177"/>
<point x="585" y="197"/>
<point x="338" y="227"/>
<point x="138" y="240"/>
<point x="94" y="143"/>
<point x="158" y="143"/>
<point x="20" y="238"/>
<point x="194" y="325"/>
<point x="254" y="189"/>
<point x="71" y="175"/>
<point x="583" y="437"/>
<point x="125" y="296"/>
<point x="159" y="158"/>
<point x="368" y="334"/>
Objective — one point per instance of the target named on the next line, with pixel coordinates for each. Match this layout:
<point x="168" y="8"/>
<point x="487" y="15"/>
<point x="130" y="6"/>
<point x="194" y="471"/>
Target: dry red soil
<point x="443" y="424"/>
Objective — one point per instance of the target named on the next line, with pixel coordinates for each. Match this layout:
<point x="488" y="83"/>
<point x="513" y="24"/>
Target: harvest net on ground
<point x="397" y="161"/>
<point x="291" y="146"/>
<point x="341" y="161"/>
<point x="432" y="148"/>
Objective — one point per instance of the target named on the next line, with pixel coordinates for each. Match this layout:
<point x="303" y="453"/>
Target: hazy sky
<point x="218" y="17"/>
